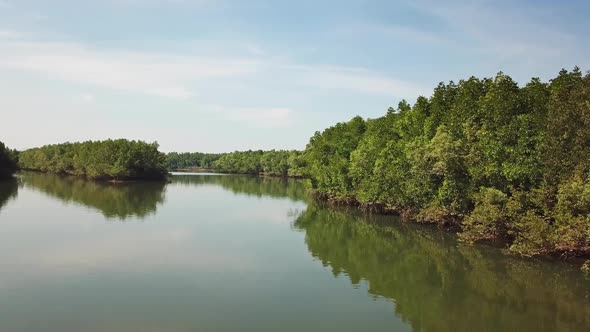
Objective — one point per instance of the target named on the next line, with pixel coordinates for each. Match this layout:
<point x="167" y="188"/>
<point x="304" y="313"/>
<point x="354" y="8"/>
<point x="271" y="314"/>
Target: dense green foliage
<point x="273" y="162"/>
<point x="175" y="160"/>
<point x="111" y="159"/>
<point x="8" y="161"/>
<point x="115" y="201"/>
<point x="437" y="285"/>
<point x="496" y="159"/>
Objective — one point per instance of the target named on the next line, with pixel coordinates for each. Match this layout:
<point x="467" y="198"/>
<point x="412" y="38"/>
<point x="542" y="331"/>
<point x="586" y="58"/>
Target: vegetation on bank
<point x="280" y="163"/>
<point x="274" y="162"/>
<point x="119" y="159"/>
<point x="8" y="161"/>
<point x="498" y="160"/>
<point x="185" y="160"/>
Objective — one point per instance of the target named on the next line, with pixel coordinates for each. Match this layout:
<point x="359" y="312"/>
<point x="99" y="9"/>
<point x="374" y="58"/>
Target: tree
<point x="8" y="161"/>
<point x="498" y="160"/>
<point x="110" y="159"/>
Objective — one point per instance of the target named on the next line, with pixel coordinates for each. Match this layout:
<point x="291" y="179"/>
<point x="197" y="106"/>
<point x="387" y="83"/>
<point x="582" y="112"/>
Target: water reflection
<point x="139" y="199"/>
<point x="8" y="190"/>
<point x="249" y="185"/>
<point x="437" y="285"/>
<point x="216" y="260"/>
<point x="114" y="201"/>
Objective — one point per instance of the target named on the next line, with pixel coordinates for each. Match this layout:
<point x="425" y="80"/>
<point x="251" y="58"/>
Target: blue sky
<point x="216" y="76"/>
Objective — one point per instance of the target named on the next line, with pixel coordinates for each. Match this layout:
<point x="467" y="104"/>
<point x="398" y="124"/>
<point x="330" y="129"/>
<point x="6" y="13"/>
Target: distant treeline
<point x="119" y="159"/>
<point x="8" y="161"/>
<point x="496" y="159"/>
<point x="273" y="162"/>
<point x="176" y="160"/>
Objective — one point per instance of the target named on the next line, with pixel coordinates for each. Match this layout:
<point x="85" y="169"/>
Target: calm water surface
<point x="239" y="253"/>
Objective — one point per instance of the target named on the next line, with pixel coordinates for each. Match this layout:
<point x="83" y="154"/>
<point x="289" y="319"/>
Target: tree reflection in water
<point x="440" y="285"/>
<point x="113" y="200"/>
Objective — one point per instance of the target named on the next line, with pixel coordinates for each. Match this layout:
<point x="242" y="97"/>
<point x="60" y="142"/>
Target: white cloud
<point x="165" y="75"/>
<point x="388" y="32"/>
<point x="359" y="80"/>
<point x="364" y="82"/>
<point x="504" y="29"/>
<point x="254" y="49"/>
<point x="264" y="91"/>
<point x="276" y="117"/>
<point x="174" y="75"/>
<point x="87" y="98"/>
<point x="9" y="34"/>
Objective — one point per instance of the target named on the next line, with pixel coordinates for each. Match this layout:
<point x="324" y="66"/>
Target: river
<point x="209" y="252"/>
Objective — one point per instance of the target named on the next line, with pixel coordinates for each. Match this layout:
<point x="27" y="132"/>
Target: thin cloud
<point x="276" y="117"/>
<point x="365" y="83"/>
<point x="503" y="30"/>
<point x="87" y="98"/>
<point x="403" y="33"/>
<point x="9" y="34"/>
<point x="164" y="75"/>
<point x="359" y="80"/>
<point x="173" y="75"/>
<point x="254" y="49"/>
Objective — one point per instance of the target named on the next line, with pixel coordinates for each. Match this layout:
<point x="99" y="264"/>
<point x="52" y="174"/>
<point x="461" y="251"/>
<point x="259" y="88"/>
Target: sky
<point x="225" y="75"/>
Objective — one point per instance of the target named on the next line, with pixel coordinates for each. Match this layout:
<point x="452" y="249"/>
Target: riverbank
<point x="100" y="179"/>
<point x="194" y="170"/>
<point x="577" y="258"/>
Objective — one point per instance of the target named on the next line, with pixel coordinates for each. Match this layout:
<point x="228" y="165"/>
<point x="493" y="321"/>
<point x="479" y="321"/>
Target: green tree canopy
<point x="119" y="159"/>
<point x="485" y="155"/>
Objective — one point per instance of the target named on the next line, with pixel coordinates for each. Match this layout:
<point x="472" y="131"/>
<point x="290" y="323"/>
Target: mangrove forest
<point x="188" y="160"/>
<point x="498" y="161"/>
<point x="119" y="159"/>
<point x="279" y="163"/>
<point x="8" y="161"/>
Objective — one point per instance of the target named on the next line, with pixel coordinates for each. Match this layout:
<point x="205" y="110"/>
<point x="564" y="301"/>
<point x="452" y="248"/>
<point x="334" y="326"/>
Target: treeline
<point x="498" y="160"/>
<point x="119" y="159"/>
<point x="273" y="162"/>
<point x="176" y="160"/>
<point x="8" y="161"/>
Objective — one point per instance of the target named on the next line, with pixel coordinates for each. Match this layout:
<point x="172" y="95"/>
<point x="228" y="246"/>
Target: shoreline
<point x="450" y="224"/>
<point x="101" y="179"/>
<point x="453" y="226"/>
